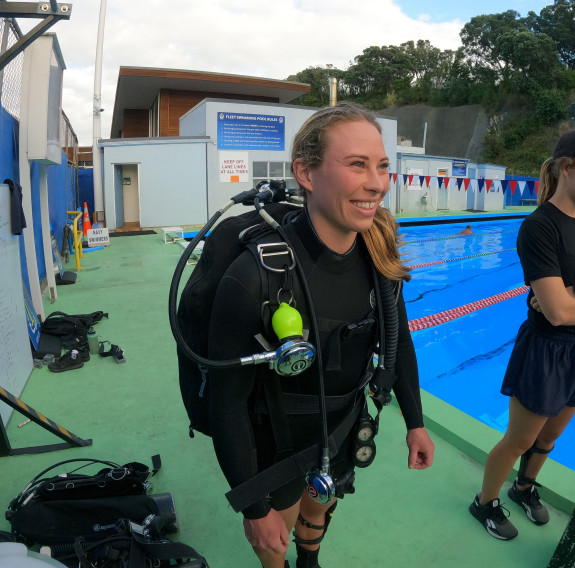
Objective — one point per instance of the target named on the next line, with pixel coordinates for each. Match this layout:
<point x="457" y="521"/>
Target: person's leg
<point x="522" y="431"/>
<point x="545" y="441"/>
<point x="269" y="559"/>
<point x="311" y="526"/>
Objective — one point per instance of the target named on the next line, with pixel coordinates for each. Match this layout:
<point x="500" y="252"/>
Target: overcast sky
<point x="253" y="37"/>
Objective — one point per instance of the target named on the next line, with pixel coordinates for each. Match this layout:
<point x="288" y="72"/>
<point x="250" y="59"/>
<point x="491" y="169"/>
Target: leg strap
<point x="521" y="478"/>
<point x="328" y="515"/>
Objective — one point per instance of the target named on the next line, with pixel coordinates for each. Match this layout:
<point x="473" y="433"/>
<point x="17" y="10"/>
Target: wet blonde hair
<point x="309" y="145"/>
<point x="549" y="177"/>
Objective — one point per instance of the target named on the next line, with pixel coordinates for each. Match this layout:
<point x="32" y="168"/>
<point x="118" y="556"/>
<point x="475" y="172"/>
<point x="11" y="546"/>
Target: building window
<point x="265" y="171"/>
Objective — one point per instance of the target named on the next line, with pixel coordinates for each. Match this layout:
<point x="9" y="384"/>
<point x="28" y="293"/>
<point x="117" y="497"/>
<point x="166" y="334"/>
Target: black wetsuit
<point x="342" y="290"/>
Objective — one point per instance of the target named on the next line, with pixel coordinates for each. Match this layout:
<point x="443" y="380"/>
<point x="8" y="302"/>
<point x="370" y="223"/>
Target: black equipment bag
<point x="222" y="247"/>
<point x="58" y="508"/>
<point x="102" y="520"/>
<point x="69" y="326"/>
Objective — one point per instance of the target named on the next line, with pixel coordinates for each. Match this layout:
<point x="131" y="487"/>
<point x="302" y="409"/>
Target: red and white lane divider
<point x="454" y="313"/>
<point x="460" y="258"/>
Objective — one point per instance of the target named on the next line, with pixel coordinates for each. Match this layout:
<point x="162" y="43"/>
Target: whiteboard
<point x="15" y="352"/>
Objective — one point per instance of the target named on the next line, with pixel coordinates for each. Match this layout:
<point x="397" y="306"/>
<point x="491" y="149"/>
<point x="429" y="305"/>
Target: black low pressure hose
<point x="176" y="278"/>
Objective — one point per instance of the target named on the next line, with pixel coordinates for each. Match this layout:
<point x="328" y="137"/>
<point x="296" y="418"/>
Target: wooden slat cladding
<point x="136" y="123"/>
<point x="174" y="104"/>
<point x="205" y="76"/>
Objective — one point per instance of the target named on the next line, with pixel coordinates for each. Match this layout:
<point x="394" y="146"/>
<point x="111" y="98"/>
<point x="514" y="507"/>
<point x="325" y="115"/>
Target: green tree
<point x="532" y="60"/>
<point x="558" y="22"/>
<point x="480" y="38"/>
<point x="318" y="80"/>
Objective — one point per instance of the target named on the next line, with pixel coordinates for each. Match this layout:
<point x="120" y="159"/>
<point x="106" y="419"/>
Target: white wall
<point x="172" y="179"/>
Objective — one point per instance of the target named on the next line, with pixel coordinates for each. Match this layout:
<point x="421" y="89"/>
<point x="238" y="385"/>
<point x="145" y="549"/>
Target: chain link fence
<point x="11" y="74"/>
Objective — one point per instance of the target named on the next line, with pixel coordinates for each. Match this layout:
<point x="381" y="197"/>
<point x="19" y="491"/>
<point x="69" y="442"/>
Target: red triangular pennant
<point x="466" y="183"/>
<point x="488" y="183"/>
<point x="513" y="185"/>
<point x="427" y="180"/>
<point x="410" y="178"/>
<point x="537" y="188"/>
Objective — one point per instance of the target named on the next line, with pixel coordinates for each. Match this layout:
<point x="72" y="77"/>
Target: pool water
<point x="463" y="360"/>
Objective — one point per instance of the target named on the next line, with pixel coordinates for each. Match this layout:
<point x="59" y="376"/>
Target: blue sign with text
<point x="237" y="131"/>
<point x="459" y="168"/>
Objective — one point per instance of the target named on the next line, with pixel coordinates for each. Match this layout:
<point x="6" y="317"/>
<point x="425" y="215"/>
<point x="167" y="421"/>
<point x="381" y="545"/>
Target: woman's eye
<point x="358" y="164"/>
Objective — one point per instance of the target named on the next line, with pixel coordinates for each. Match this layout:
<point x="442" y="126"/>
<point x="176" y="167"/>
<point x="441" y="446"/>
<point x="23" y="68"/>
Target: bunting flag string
<point x="524" y="186"/>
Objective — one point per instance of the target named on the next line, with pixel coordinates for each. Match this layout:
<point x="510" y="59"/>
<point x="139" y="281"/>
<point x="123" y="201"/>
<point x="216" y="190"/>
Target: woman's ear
<point x="302" y="174"/>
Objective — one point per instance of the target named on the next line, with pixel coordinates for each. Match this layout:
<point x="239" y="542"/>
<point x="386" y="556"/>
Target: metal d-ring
<point x="291" y="300"/>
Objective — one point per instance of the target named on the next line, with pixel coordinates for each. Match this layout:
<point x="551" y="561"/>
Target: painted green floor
<point x="397" y="518"/>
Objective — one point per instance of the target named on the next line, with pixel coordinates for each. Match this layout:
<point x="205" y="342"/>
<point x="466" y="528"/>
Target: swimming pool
<point x="475" y="283"/>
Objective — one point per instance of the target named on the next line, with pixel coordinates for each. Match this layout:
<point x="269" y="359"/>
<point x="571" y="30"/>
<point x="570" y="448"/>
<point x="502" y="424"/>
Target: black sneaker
<point x="70" y="360"/>
<point x="492" y="517"/>
<point x="529" y="500"/>
<point x="80" y="343"/>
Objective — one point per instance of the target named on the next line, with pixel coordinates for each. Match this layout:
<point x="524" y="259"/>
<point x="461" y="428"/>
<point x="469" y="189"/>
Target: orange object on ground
<point x="86" y="225"/>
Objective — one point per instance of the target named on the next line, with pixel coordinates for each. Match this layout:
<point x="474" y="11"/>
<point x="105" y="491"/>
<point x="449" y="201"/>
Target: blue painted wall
<point x="62" y="189"/>
<point x="528" y="193"/>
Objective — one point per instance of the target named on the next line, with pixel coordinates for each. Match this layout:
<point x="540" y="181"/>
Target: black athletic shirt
<point x="546" y="247"/>
<point x="342" y="290"/>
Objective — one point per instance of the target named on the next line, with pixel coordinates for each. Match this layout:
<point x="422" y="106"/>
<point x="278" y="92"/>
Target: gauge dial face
<point x="364" y="454"/>
<point x="365" y="434"/>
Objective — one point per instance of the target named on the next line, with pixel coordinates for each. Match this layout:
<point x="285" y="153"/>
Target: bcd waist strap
<point x="288" y="469"/>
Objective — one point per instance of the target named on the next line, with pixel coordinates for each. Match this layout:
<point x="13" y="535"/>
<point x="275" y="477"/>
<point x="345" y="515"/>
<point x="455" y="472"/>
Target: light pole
<point x="97" y="128"/>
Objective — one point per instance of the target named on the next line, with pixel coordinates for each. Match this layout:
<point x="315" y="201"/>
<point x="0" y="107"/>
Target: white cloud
<point x="254" y="37"/>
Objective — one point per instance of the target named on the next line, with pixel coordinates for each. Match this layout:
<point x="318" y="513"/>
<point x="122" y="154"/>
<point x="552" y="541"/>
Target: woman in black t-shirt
<point x="540" y="376"/>
<point x="339" y="161"/>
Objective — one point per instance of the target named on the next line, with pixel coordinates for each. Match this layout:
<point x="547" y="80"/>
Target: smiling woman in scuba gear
<point x="341" y="166"/>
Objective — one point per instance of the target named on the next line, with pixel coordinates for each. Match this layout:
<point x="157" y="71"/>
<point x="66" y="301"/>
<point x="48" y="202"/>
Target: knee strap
<point x="328" y="516"/>
<point x="521" y="479"/>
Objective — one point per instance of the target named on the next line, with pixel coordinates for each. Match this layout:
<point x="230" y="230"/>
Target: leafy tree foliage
<point x="522" y="70"/>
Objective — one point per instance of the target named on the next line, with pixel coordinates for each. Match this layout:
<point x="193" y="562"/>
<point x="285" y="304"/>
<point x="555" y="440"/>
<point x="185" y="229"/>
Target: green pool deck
<point x="397" y="518"/>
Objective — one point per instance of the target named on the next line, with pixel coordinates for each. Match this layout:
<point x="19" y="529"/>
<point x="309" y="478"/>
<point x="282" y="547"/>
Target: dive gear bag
<point x="70" y="326"/>
<point x="101" y="520"/>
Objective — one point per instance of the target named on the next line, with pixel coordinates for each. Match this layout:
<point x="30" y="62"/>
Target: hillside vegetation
<point x="520" y="70"/>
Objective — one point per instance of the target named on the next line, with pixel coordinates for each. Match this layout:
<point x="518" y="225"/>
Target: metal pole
<point x="332" y="91"/>
<point x="97" y="129"/>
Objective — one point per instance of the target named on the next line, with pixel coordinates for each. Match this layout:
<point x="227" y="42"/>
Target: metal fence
<point x="10" y="89"/>
<point x="11" y="74"/>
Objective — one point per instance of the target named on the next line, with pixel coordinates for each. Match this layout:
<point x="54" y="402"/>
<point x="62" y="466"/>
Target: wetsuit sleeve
<point x="234" y="321"/>
<point x="406" y="388"/>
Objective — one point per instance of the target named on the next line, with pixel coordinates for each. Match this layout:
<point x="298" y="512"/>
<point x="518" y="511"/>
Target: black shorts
<point x="541" y="370"/>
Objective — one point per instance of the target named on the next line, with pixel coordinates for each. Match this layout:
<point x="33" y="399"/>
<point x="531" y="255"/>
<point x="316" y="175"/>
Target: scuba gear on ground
<point x="521" y="478"/>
